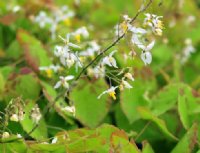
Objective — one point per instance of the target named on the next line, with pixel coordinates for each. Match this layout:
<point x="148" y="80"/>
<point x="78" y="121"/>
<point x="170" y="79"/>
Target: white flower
<point x="154" y="22"/>
<point x="67" y="41"/>
<point x="19" y="135"/>
<point x="50" y="69"/>
<point x="80" y="32"/>
<point x="97" y="72"/>
<point x="146" y="57"/>
<point x="5" y="135"/>
<point x="70" y="109"/>
<point x="42" y="19"/>
<point x="35" y="114"/>
<point x="55" y="139"/>
<point x="148" y="47"/>
<point x="110" y="91"/>
<point x="94" y="47"/>
<point x="187" y="50"/>
<point x="14" y="117"/>
<point x="137" y="30"/>
<point x="126" y="18"/>
<point x="125" y="84"/>
<point x="64" y="81"/>
<point x="129" y="76"/>
<point x="109" y="60"/>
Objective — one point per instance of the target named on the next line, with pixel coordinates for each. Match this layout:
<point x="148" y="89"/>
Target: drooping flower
<point x="146" y="57"/>
<point x="129" y="76"/>
<point x="187" y="50"/>
<point x="110" y="91"/>
<point x="124" y="84"/>
<point x="110" y="60"/>
<point x="154" y="22"/>
<point x="54" y="140"/>
<point x="50" y="69"/>
<point x="35" y="114"/>
<point x="64" y="81"/>
<point x="80" y="32"/>
<point x="97" y="72"/>
<point x="70" y="109"/>
<point x="5" y="135"/>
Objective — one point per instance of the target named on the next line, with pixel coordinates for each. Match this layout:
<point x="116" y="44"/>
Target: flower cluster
<point x="187" y="50"/>
<point x="35" y="114"/>
<point x="71" y="55"/>
<point x="63" y="14"/>
<point x="16" y="110"/>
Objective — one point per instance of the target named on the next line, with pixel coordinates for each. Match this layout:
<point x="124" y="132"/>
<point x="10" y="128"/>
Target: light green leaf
<point x="188" y="106"/>
<point x="187" y="143"/>
<point x="28" y="124"/>
<point x="34" y="52"/>
<point x="165" y="99"/>
<point x="90" y="110"/>
<point x="147" y="115"/>
<point x="146" y="147"/>
<point x="133" y="98"/>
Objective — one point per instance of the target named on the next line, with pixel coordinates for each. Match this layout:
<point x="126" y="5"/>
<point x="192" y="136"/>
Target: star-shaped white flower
<point x="110" y="91"/>
<point x="64" y="81"/>
<point x="110" y="60"/>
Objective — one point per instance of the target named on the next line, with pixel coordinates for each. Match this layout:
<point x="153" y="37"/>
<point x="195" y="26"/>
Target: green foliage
<point x="161" y="113"/>
<point x="90" y="110"/>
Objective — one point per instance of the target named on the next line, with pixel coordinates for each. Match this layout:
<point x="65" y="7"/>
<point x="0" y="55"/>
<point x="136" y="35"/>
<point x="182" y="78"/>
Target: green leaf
<point x="133" y="98"/>
<point x="47" y="147"/>
<point x="90" y="110"/>
<point x="14" y="50"/>
<point x="187" y="143"/>
<point x="26" y="86"/>
<point x="146" y="147"/>
<point x="2" y="83"/>
<point x="165" y="99"/>
<point x="27" y="123"/>
<point x="120" y="143"/>
<point x="13" y="144"/>
<point x="34" y="52"/>
<point x="188" y="106"/>
<point x="147" y="115"/>
<point x="50" y="93"/>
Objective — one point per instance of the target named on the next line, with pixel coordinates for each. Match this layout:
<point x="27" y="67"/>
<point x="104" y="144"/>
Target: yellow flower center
<point x="112" y="94"/>
<point x="160" y="25"/>
<point x="78" y="38"/>
<point x="67" y="22"/>
<point x="49" y="73"/>
<point x="124" y="26"/>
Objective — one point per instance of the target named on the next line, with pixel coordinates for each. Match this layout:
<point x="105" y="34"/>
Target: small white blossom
<point x="70" y="109"/>
<point x="154" y="22"/>
<point x="94" y="48"/>
<point x="187" y="50"/>
<point x="129" y="76"/>
<point x="55" y="139"/>
<point x="19" y="135"/>
<point x="35" y="114"/>
<point x="125" y="84"/>
<point x="5" y="135"/>
<point x="80" y="32"/>
<point x="42" y="19"/>
<point x="146" y="57"/>
<point x="64" y="81"/>
<point x="110" y="91"/>
<point x="97" y="72"/>
<point x="110" y="60"/>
